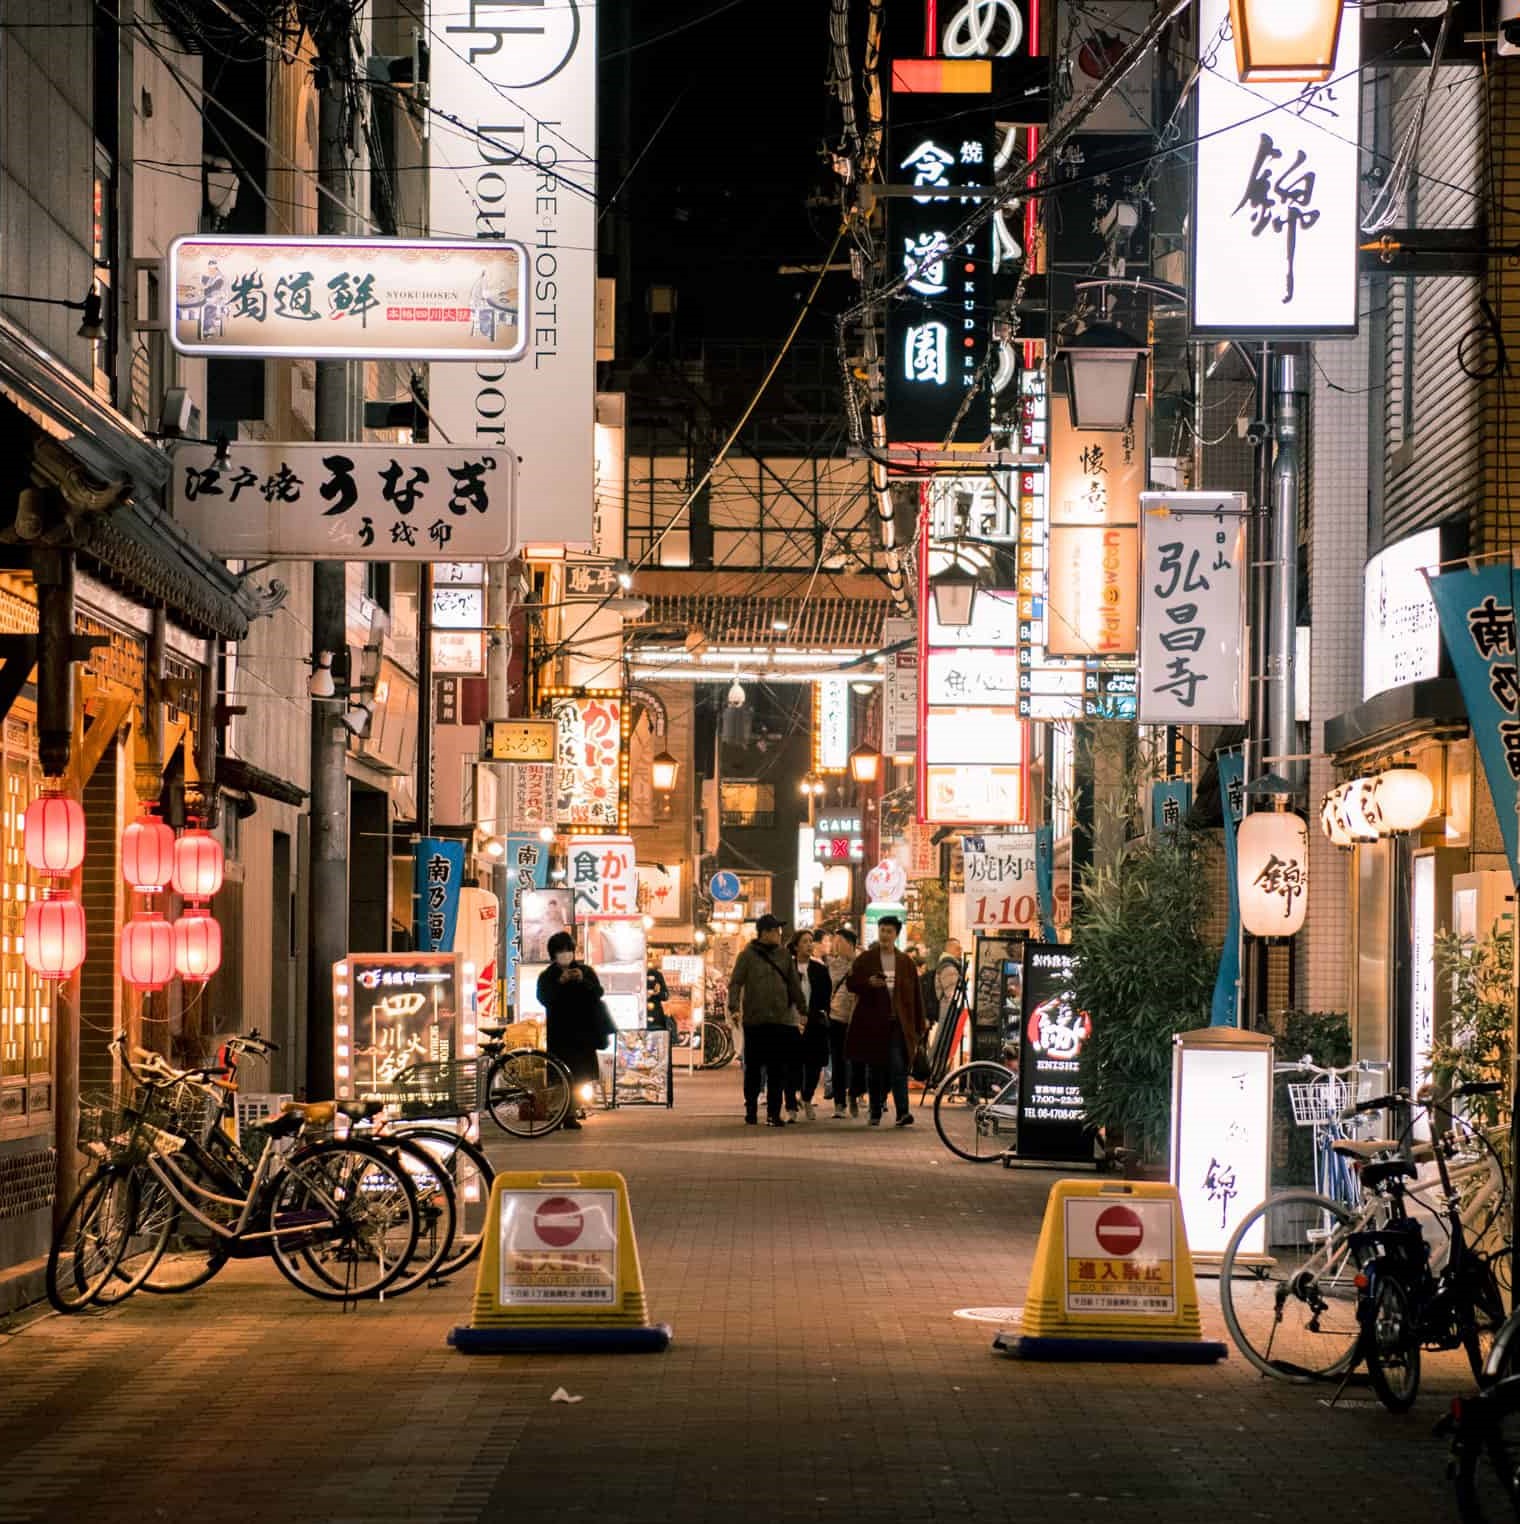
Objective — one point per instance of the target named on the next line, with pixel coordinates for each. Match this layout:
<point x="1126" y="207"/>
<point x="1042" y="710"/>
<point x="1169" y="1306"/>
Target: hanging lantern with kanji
<point x="53" y="935"/>
<point x="147" y="853"/>
<point x="198" y="863"/>
<point x="197" y="945"/>
<point x="53" y="830"/>
<point x="146" y="951"/>
<point x="1272" y="852"/>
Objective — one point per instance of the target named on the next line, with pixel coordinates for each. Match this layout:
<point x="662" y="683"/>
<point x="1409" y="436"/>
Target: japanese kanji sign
<point x="527" y="865"/>
<point x="349" y="298"/>
<point x="520" y="740"/>
<point x="438" y="877"/>
<point x="1193" y="608"/>
<point x="602" y="875"/>
<point x="349" y="502"/>
<point x="1095" y="477"/>
<point x="588" y="760"/>
<point x="1476" y="607"/>
<point x="1119" y="1257"/>
<point x="1275" y="199"/>
<point x="1000" y="882"/>
<point x="532" y="796"/>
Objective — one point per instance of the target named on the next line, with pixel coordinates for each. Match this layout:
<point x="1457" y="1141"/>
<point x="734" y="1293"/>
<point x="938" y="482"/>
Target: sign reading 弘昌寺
<point x="350" y="502"/>
<point x="349" y="298"/>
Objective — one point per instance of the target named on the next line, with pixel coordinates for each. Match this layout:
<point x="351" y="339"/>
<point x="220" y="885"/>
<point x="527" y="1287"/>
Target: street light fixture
<point x="812" y="786"/>
<point x="663" y="771"/>
<point x="954" y="590"/>
<point x="1105" y="367"/>
<point x="1287" y="41"/>
<point x="865" y="764"/>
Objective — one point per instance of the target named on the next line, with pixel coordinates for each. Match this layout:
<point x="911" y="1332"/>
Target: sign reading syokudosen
<point x="514" y="157"/>
<point x="1275" y="199"/>
<point x="348" y="502"/>
<point x="348" y="298"/>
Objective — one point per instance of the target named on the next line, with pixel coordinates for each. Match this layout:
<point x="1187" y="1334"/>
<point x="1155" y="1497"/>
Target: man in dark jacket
<point x="575" y="1023"/>
<point x="888" y="1026"/>
<point x="765" y="994"/>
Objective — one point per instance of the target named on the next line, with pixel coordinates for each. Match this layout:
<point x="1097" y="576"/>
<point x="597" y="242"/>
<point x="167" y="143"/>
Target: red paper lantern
<point x="147" y="951"/>
<point x="54" y="833"/>
<point x="147" y="853"/>
<point x="53" y="940"/>
<point x="197" y="865"/>
<point x="197" y="945"/>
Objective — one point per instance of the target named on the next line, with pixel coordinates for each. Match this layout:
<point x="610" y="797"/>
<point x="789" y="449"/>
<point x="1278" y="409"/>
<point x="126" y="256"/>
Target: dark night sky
<point x="720" y="199"/>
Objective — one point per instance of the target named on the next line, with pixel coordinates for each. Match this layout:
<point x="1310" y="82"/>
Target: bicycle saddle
<point x="315" y="1113"/>
<point x="360" y="1110"/>
<point x="1362" y="1148"/>
<point x="1373" y="1175"/>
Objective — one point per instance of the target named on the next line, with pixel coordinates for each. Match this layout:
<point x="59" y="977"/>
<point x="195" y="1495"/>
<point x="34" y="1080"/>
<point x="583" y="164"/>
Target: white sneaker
<point x="839" y="1112"/>
<point x="809" y="1112"/>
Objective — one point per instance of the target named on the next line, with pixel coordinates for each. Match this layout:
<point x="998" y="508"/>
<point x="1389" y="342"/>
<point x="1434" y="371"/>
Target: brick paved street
<point x="817" y="1373"/>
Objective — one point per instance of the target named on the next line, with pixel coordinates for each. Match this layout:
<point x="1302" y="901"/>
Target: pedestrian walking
<point x="813" y="975"/>
<point x="888" y="1026"/>
<point x="766" y="998"/>
<point x="848" y="1079"/>
<point x="576" y="1024"/>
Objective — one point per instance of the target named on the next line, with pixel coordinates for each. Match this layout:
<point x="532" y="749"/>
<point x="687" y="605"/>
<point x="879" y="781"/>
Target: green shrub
<point x="1478" y="1048"/>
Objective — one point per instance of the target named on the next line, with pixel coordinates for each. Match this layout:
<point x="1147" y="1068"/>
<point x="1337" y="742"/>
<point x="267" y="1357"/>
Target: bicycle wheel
<point x="472" y="1174"/>
<point x="437" y="1212"/>
<point x="88" y="1242"/>
<point x="974" y="1111"/>
<point x="528" y="1092"/>
<point x="192" y="1252"/>
<point x="717" y="1045"/>
<point x="1480" y="1306"/>
<point x="150" y="1211"/>
<point x="344" y="1220"/>
<point x="1287" y="1287"/>
<point x="1391" y="1344"/>
<point x="1488" y="1457"/>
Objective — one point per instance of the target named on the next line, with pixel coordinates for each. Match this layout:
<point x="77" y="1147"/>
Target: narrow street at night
<point x="817" y="1372"/>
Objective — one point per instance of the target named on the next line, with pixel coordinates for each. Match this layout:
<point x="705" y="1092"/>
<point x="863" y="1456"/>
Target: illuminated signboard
<point x="838" y="839"/>
<point x="590" y="759"/>
<point x="1053" y="1036"/>
<point x="1092" y="607"/>
<point x="1401" y="637"/>
<point x="395" y="1010"/>
<point x="1276" y="198"/>
<point x="349" y="298"/>
<point x="1096" y="478"/>
<point x="831" y="725"/>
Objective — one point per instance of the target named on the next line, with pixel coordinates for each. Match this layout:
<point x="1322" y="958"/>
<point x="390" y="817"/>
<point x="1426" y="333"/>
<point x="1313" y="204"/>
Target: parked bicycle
<point x="1287" y="1281"/>
<point x="976" y="1111"/>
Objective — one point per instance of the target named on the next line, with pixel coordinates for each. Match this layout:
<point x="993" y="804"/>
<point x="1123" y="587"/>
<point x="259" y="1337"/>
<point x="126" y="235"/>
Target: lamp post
<point x="954" y="591"/>
<point x="1105" y="367"/>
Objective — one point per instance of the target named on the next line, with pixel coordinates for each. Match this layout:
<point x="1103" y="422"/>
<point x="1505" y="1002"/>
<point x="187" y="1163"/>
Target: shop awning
<point x="1398" y="717"/>
<point x="235" y="773"/>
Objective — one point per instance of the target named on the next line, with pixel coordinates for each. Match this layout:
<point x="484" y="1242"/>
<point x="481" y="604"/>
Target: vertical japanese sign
<point x="588" y="760"/>
<point x="527" y="870"/>
<point x="1096" y="477"/>
<point x="1193" y="608"/>
<point x="1052" y="1036"/>
<point x="514" y="157"/>
<point x="1476" y="607"/>
<point x="438" y="868"/>
<point x="1276" y="193"/>
<point x="1171" y="799"/>
<point x="1231" y="768"/>
<point x="603" y="876"/>
<point x="900" y="687"/>
<point x="831" y="725"/>
<point x="532" y="790"/>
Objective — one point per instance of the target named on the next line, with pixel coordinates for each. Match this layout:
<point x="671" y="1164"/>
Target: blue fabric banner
<point x="1170" y="802"/>
<point x="528" y="868"/>
<point x="1476" y="607"/>
<point x="1232" y="803"/>
<point x="438" y="875"/>
<point x="1045" y="880"/>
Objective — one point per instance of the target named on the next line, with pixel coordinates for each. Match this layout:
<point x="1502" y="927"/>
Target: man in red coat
<point x="888" y="1026"/>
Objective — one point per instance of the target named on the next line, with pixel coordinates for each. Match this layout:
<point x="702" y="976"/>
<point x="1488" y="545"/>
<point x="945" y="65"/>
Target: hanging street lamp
<point x="1105" y="367"/>
<point x="954" y="590"/>
<point x="146" y="951"/>
<point x="1272" y="849"/>
<point x="1285" y="41"/>
<point x="198" y="865"/>
<point x="663" y="771"/>
<point x="865" y="764"/>
<point x="147" y="853"/>
<point x="197" y="945"/>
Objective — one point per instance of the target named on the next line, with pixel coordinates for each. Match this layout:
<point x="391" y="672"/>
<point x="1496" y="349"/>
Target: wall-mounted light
<point x="663" y="771"/>
<point x="865" y="764"/>
<point x="1287" y="41"/>
<point x="954" y="590"/>
<point x="1105" y="367"/>
<point x="1404" y="797"/>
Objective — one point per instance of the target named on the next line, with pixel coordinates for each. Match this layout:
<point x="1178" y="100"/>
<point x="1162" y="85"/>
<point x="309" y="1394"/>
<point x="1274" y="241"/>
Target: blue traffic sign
<point x="724" y="886"/>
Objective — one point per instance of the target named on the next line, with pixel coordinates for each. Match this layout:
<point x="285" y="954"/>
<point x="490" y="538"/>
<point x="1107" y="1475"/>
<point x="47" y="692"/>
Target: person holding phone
<point x="888" y="1026"/>
<point x="576" y="1023"/>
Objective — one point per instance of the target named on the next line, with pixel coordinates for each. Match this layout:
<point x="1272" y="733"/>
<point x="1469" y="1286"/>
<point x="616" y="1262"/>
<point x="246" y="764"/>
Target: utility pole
<point x="327" y="876"/>
<point x="498" y="700"/>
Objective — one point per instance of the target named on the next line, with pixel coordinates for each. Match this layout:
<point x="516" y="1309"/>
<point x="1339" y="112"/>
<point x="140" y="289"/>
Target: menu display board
<point x="1052" y="1035"/>
<point x="395" y="1010"/>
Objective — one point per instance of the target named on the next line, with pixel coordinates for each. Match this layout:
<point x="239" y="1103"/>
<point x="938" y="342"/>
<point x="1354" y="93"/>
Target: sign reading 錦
<point x="1053" y="1033"/>
<point x="520" y="740"/>
<point x="1001" y="891"/>
<point x="349" y="502"/>
<point x="1193" y="608"/>
<point x="512" y="123"/>
<point x="348" y="298"/>
<point x="1276" y="196"/>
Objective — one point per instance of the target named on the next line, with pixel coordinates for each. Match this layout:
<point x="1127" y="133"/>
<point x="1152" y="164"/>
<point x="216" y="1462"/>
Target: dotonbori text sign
<point x="1193" y="608"/>
<point x="348" y="298"/>
<point x="1275" y="198"/>
<point x="345" y="502"/>
<point x="514" y="156"/>
<point x="1052" y="1111"/>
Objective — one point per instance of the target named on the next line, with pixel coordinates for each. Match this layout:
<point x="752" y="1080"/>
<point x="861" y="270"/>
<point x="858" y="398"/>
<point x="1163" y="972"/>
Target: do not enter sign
<point x="1119" y="1230"/>
<point x="558" y="1222"/>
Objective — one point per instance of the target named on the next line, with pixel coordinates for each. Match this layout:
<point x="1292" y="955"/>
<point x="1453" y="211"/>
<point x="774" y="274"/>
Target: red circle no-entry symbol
<point x="558" y="1222"/>
<point x="1119" y="1230"/>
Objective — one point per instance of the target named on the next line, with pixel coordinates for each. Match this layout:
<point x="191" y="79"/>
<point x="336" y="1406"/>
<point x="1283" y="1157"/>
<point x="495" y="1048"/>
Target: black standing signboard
<point x="1051" y="1039"/>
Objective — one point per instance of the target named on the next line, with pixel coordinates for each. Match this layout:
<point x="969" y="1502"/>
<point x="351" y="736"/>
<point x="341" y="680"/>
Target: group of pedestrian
<point x="863" y="1014"/>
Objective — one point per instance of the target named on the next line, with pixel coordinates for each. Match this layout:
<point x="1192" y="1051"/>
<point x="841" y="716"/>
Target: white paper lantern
<point x="1404" y="797"/>
<point x="1332" y="818"/>
<point x="1359" y="809"/>
<point x="1273" y="874"/>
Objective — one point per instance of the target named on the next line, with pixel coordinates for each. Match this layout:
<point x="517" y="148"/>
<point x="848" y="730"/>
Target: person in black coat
<point x="576" y="1023"/>
<point x="814" y="974"/>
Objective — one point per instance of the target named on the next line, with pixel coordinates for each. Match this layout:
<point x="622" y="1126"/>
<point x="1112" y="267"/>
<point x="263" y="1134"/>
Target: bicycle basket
<point x="1318" y="1103"/>
<point x="112" y="1125"/>
<point x="445" y="1089"/>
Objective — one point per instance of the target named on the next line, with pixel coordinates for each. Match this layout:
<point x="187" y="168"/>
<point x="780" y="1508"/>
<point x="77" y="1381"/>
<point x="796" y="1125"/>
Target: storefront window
<point x="26" y="1027"/>
<point x="1373" y="1016"/>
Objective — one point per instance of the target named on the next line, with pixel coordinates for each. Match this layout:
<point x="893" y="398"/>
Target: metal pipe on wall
<point x="1287" y="428"/>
